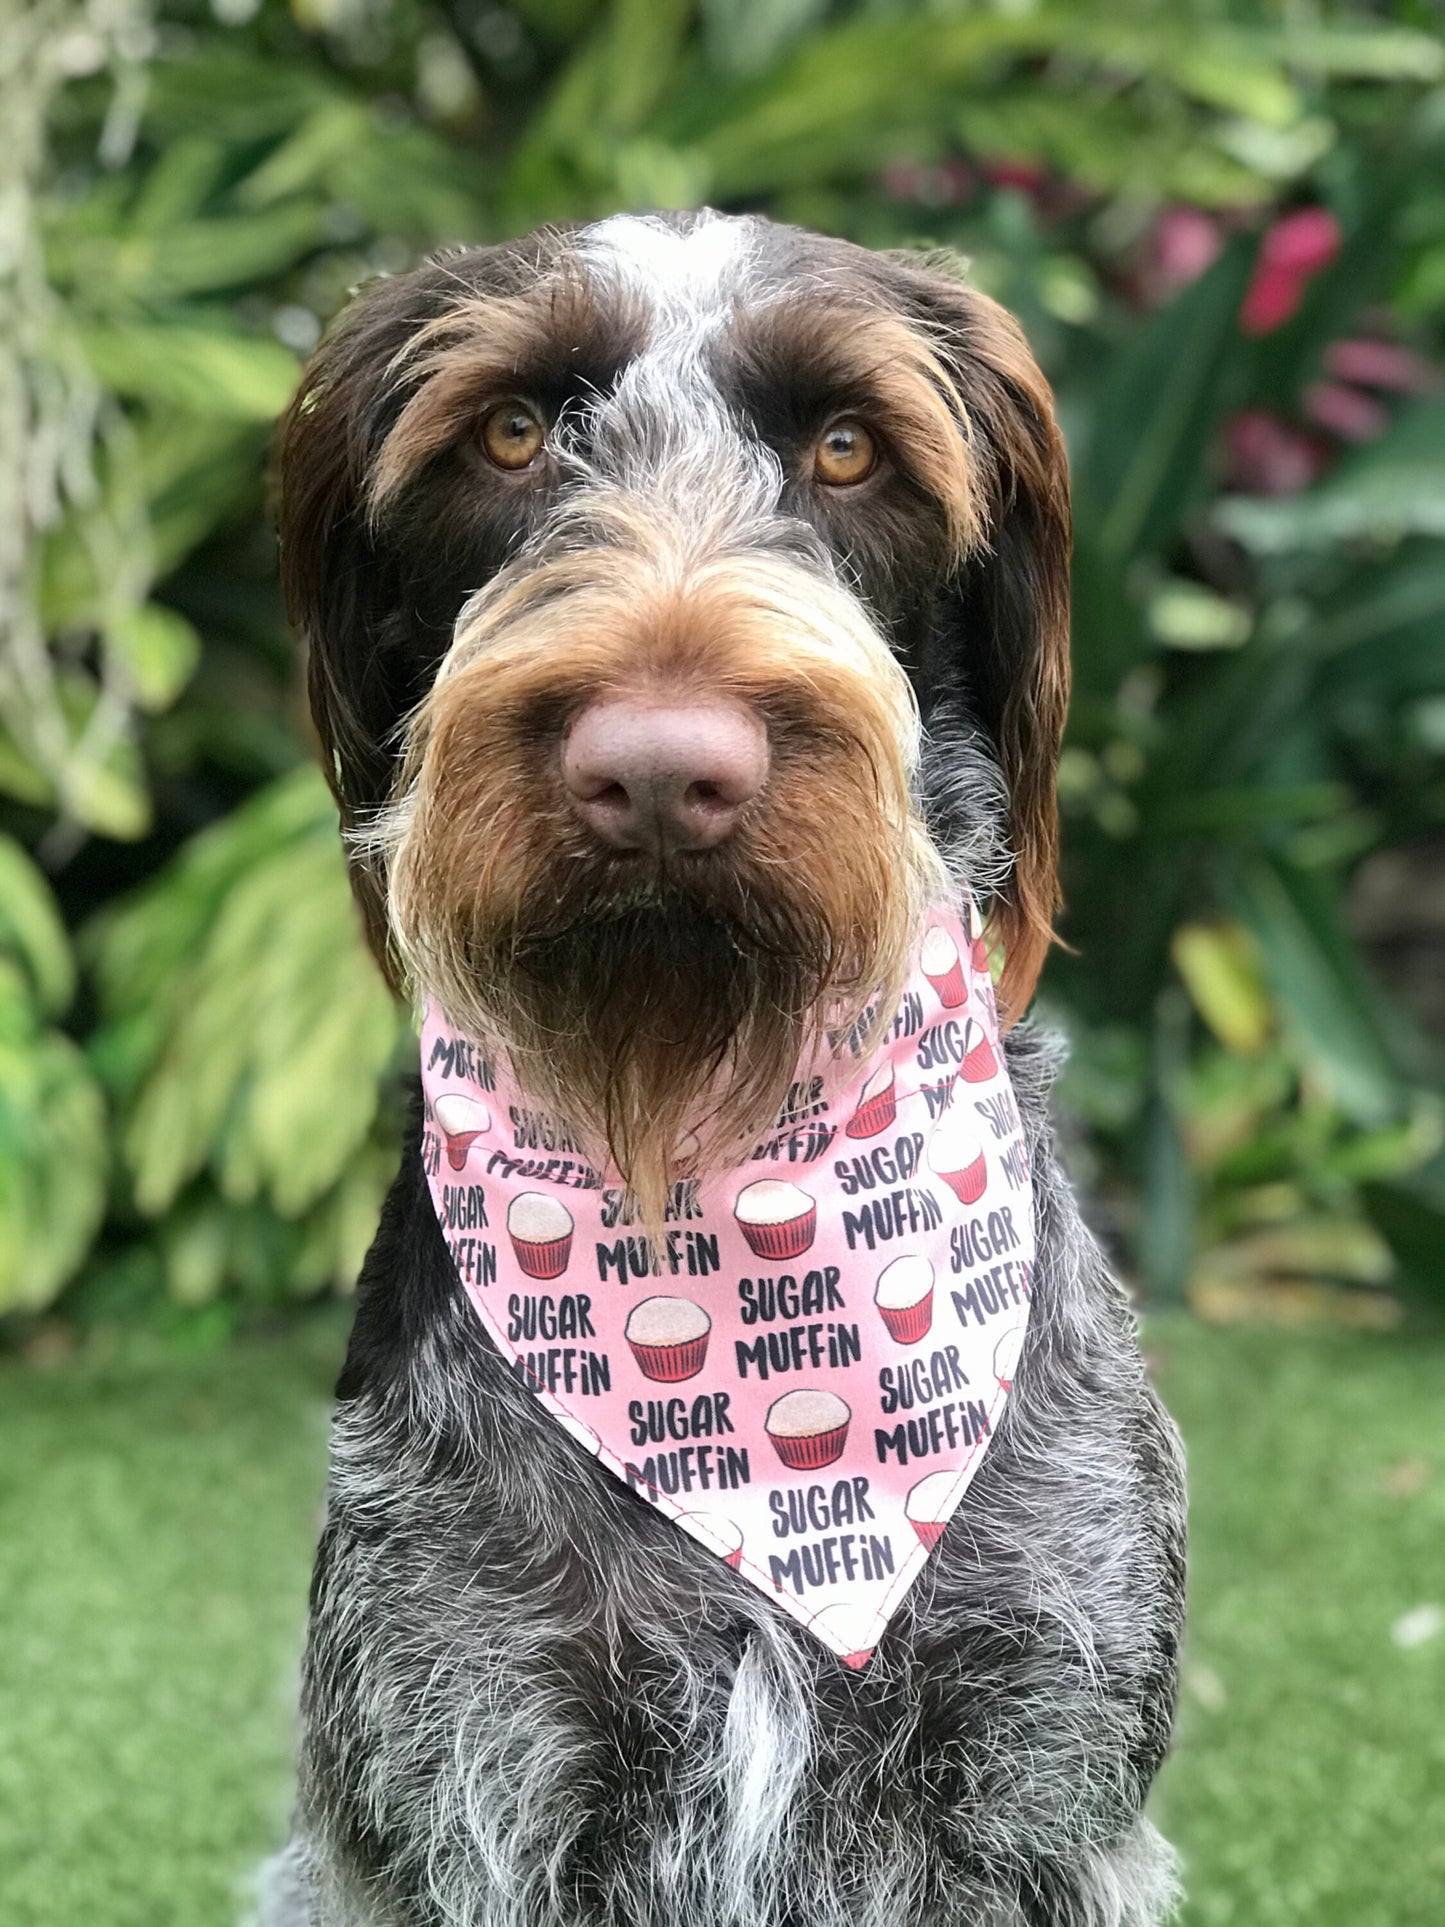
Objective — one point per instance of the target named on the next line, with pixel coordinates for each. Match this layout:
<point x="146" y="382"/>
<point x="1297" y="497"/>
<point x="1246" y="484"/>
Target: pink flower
<point x="1345" y="411"/>
<point x="1184" y="243"/>
<point x="1380" y="364"/>
<point x="1267" y="456"/>
<point x="1027" y="176"/>
<point x="1292" y="252"/>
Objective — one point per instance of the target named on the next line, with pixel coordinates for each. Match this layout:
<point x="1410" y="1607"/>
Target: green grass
<point x="156" y="1519"/>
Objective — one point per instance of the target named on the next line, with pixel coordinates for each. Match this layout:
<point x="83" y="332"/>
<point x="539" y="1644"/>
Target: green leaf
<point x="1320" y="985"/>
<point x="53" y="1152"/>
<point x="1157" y="408"/>
<point x="160" y="650"/>
<point x="31" y="931"/>
<point x="274" y="1024"/>
<point x="233" y="376"/>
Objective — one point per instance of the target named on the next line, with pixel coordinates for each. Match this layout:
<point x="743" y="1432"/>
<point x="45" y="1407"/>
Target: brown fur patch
<point x="1031" y="495"/>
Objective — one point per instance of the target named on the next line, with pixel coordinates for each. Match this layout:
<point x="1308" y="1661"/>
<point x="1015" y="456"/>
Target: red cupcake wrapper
<point x="873" y="1116"/>
<point x="808" y="1454"/>
<point x="670" y="1364"/>
<point x="906" y="1325"/>
<point x="951" y="988"/>
<point x="458" y="1147"/>
<point x="979" y="953"/>
<point x="969" y="1184"/>
<point x="929" y="1531"/>
<point x="980" y="1064"/>
<point x="540" y="1260"/>
<point x="787" y="1240"/>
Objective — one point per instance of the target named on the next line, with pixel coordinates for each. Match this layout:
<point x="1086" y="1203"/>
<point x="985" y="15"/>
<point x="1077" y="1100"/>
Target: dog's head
<point x="655" y="577"/>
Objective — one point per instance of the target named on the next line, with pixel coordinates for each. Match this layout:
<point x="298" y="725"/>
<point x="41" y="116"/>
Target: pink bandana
<point x="808" y="1376"/>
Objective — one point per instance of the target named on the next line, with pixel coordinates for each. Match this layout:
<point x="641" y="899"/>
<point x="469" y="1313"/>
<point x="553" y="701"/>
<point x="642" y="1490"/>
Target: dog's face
<point x="631" y="561"/>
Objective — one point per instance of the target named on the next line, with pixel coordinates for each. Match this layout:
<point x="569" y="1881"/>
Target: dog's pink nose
<point x="653" y="777"/>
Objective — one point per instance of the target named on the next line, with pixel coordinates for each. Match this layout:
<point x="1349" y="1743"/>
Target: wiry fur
<point x="529" y="1700"/>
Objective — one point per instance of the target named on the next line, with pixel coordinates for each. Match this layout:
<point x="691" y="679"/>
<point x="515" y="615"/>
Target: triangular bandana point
<point x="808" y="1375"/>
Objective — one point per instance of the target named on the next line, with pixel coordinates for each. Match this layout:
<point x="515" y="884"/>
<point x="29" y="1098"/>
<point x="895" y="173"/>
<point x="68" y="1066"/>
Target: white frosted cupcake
<point x="461" y="1120"/>
<point x="955" y="1154"/>
<point x="980" y="1062"/>
<point x="668" y="1338"/>
<point x="877" y="1105"/>
<point x="808" y="1429"/>
<point x="929" y="1506"/>
<point x="853" y="1631"/>
<point x="541" y="1232"/>
<point x="718" y="1533"/>
<point x="777" y="1219"/>
<point x="1006" y="1356"/>
<point x="943" y="967"/>
<point x="904" y="1297"/>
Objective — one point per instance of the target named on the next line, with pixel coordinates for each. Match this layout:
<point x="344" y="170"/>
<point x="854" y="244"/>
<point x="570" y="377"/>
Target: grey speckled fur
<point x="530" y="1701"/>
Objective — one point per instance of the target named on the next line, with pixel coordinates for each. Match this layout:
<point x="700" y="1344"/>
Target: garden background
<point x="1222" y="223"/>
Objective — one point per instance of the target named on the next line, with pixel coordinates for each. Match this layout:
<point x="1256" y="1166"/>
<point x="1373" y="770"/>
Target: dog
<point x="686" y="599"/>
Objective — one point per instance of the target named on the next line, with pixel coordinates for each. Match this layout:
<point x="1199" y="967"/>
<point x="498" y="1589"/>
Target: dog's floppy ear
<point x="1010" y="598"/>
<point x="341" y="589"/>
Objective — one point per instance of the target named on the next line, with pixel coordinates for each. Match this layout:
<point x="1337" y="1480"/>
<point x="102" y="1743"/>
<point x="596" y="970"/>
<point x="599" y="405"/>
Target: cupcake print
<point x="877" y="1105"/>
<point x="904" y="1297"/>
<point x="461" y="1120"/>
<point x="943" y="967"/>
<point x="541" y="1232"/>
<point x="718" y="1533"/>
<point x="777" y="1219"/>
<point x="668" y="1338"/>
<point x="955" y="1154"/>
<point x="980" y="1062"/>
<point x="809" y="1429"/>
<point x="851" y="1630"/>
<point x="929" y="1506"/>
<point x="1006" y="1356"/>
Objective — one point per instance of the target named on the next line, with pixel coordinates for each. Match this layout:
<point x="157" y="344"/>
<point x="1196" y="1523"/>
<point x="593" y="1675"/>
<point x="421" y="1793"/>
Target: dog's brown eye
<point x="846" y="453"/>
<point x="512" y="435"/>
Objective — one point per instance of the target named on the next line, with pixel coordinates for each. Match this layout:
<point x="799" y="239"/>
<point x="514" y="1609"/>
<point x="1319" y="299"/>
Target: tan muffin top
<point x="537" y="1219"/>
<point x="802" y="1415"/>
<point x="666" y="1321"/>
<point x="770" y="1201"/>
<point x="939" y="953"/>
<point x="928" y="1501"/>
<point x="906" y="1282"/>
<point x="457" y="1113"/>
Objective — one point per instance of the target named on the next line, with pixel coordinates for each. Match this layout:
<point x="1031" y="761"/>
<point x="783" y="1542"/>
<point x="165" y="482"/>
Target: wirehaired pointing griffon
<point x="747" y="1507"/>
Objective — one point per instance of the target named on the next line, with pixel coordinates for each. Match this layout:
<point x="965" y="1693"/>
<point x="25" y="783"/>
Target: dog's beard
<point x="666" y="1031"/>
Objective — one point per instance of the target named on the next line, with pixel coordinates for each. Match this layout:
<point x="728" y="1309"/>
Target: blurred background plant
<point x="1223" y="225"/>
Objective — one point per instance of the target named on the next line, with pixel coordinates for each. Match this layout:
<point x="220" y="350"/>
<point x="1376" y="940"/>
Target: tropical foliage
<point x="1223" y="228"/>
